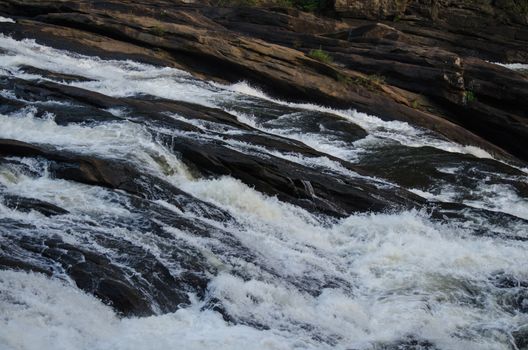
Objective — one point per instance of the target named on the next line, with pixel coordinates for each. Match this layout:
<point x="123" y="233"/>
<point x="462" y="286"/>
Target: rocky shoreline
<point x="352" y="179"/>
<point x="426" y="64"/>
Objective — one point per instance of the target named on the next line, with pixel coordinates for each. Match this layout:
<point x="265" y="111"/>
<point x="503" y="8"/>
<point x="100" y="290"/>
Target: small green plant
<point x="363" y="81"/>
<point x="415" y="104"/>
<point x="371" y="82"/>
<point x="309" y="5"/>
<point x="157" y="31"/>
<point x="320" y="55"/>
<point x="469" y="96"/>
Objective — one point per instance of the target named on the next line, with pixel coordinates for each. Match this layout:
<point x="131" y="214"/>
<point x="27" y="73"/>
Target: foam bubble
<point x="513" y="66"/>
<point x="6" y="19"/>
<point x="55" y="315"/>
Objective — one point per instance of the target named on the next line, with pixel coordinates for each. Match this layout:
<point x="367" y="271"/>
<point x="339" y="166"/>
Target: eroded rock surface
<point x="155" y="190"/>
<point x="426" y="72"/>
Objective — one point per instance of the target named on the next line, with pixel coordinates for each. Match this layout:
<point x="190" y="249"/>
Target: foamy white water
<point x="311" y="282"/>
<point x="378" y="129"/>
<point x="393" y="269"/>
<point x="112" y="140"/>
<point x="6" y="19"/>
<point x="494" y="197"/>
<point x="55" y="315"/>
<point x="513" y="66"/>
<point x="126" y="78"/>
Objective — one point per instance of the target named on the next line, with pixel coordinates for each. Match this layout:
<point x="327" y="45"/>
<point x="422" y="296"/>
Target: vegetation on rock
<point x="469" y="96"/>
<point x="320" y="55"/>
<point x="371" y="82"/>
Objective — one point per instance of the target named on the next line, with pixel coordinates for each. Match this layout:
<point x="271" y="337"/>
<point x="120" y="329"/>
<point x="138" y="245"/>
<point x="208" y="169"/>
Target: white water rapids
<point x="408" y="276"/>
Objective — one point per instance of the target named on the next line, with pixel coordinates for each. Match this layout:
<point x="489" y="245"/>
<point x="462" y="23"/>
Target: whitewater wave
<point x="287" y="278"/>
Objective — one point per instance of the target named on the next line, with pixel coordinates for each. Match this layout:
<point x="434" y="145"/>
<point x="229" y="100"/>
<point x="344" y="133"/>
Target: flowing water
<point x="514" y="66"/>
<point x="277" y="274"/>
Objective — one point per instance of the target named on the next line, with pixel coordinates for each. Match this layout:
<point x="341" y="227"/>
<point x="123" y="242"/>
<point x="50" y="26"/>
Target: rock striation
<point x="421" y="67"/>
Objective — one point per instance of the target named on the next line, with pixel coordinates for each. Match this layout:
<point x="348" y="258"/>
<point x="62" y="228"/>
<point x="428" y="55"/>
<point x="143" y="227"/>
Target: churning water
<point x="278" y="276"/>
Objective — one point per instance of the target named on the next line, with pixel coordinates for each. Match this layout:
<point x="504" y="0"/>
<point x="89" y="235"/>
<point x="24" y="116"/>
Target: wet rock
<point x="11" y="263"/>
<point x="27" y="204"/>
<point x="19" y="149"/>
<point x="108" y="257"/>
<point x="428" y="168"/>
<point x="272" y="176"/>
<point x="520" y="337"/>
<point x="121" y="273"/>
<point x="60" y="77"/>
<point x="292" y="182"/>
<point x="112" y="174"/>
<point x="408" y="344"/>
<point x="202" y="40"/>
<point x="436" y="76"/>
<point x="129" y="294"/>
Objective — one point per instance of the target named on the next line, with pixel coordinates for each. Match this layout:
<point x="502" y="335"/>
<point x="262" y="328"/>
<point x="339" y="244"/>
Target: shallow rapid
<point x="142" y="208"/>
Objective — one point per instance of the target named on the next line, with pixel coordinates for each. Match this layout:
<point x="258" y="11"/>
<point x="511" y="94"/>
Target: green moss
<point x="469" y="96"/>
<point x="309" y="5"/>
<point x="320" y="55"/>
<point x="371" y="82"/>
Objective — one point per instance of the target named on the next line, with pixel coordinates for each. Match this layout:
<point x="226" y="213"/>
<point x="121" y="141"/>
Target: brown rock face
<point x="374" y="9"/>
<point x="425" y="66"/>
<point x="147" y="246"/>
<point x="460" y="13"/>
